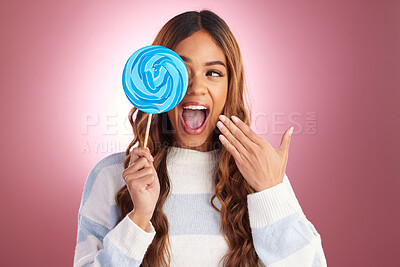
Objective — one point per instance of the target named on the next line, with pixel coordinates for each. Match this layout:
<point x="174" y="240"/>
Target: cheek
<point x="173" y="116"/>
<point x="219" y="97"/>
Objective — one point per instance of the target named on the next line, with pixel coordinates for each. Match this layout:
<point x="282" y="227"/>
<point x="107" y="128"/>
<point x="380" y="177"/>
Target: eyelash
<point x="220" y="74"/>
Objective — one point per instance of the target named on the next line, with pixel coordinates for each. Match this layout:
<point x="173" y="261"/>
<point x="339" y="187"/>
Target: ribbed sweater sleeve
<point x="99" y="243"/>
<point x="282" y="235"/>
<point x="125" y="245"/>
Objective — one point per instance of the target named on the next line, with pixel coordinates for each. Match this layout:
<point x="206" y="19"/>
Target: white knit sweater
<point x="282" y="235"/>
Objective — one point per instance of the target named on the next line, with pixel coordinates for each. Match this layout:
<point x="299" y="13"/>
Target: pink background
<point x="61" y="67"/>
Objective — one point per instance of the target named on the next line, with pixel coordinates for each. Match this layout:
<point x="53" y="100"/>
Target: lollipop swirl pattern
<point x="155" y="79"/>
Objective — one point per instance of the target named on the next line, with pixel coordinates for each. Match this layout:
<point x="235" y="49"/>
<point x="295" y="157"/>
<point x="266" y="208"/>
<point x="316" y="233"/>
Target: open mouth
<point x="194" y="117"/>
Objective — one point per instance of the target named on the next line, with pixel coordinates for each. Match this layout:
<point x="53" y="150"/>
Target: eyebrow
<point x="210" y="63"/>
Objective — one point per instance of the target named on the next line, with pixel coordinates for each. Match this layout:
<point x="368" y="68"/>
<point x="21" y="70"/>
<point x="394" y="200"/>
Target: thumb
<point x="284" y="146"/>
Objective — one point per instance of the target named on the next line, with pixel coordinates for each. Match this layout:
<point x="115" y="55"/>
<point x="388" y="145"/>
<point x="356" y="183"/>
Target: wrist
<point x="141" y="221"/>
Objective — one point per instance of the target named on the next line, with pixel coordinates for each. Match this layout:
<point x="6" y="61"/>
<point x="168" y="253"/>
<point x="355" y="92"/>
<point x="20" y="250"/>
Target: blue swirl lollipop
<point x="155" y="79"/>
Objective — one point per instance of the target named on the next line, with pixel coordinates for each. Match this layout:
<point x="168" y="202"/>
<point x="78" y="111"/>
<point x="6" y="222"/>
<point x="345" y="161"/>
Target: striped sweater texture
<point x="282" y="235"/>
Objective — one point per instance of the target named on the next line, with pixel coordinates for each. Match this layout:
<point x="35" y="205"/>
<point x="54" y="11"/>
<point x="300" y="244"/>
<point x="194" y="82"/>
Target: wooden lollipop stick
<point x="147" y="130"/>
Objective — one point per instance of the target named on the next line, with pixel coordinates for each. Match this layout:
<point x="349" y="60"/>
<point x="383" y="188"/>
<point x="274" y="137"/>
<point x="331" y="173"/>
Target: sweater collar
<point x="190" y="156"/>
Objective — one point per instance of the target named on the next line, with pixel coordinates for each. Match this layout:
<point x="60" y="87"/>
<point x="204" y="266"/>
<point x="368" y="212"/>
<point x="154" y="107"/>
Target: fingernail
<point x="222" y="138"/>
<point x="220" y="125"/>
<point x="152" y="159"/>
<point x="222" y="118"/>
<point x="290" y="131"/>
<point x="235" y="119"/>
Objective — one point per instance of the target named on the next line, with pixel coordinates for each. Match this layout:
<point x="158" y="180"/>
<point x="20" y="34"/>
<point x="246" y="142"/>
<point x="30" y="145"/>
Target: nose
<point x="196" y="86"/>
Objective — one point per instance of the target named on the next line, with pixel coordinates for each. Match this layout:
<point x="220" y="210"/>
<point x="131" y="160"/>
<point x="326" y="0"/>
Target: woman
<point x="215" y="193"/>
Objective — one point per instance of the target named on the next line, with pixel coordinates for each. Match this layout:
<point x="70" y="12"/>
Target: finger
<point x="139" y="174"/>
<point x="247" y="131"/>
<point x="231" y="148"/>
<point x="146" y="181"/>
<point x="231" y="138"/>
<point x="284" y="146"/>
<point x="136" y="166"/>
<point x="138" y="152"/>
<point x="236" y="132"/>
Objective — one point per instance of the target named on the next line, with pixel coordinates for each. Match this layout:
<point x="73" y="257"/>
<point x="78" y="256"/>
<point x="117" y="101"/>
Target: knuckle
<point x="147" y="171"/>
<point x="130" y="179"/>
<point x="151" y="178"/>
<point x="145" y="177"/>
<point x="253" y="150"/>
<point x="257" y="138"/>
<point x="144" y="180"/>
<point x="146" y="163"/>
<point x="135" y="150"/>
<point x="232" y="149"/>
<point x="235" y="131"/>
<point x="236" y="143"/>
<point x="139" y="150"/>
<point x="142" y="160"/>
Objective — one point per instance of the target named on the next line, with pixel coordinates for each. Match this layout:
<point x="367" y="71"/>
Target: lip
<point x="203" y="126"/>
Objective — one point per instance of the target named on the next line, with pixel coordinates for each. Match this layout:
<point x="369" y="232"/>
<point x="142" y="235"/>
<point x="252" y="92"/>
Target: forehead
<point x="200" y="47"/>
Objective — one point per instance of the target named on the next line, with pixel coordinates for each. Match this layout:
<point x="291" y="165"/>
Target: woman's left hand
<point x="260" y="164"/>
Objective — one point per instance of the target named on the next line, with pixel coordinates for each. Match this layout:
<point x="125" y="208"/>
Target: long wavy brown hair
<point x="231" y="189"/>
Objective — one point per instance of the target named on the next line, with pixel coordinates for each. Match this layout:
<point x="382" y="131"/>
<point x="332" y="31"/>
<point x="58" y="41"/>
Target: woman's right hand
<point x="143" y="185"/>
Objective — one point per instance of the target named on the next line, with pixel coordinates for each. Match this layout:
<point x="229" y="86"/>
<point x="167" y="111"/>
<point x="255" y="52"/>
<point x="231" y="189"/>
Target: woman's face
<point x="195" y="117"/>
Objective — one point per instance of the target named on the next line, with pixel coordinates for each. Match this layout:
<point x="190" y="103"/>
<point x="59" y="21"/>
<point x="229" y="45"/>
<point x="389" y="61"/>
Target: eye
<point x="215" y="73"/>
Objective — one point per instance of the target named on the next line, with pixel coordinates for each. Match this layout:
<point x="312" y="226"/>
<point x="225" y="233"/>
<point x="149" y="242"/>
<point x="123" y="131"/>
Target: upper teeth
<point x="194" y="107"/>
